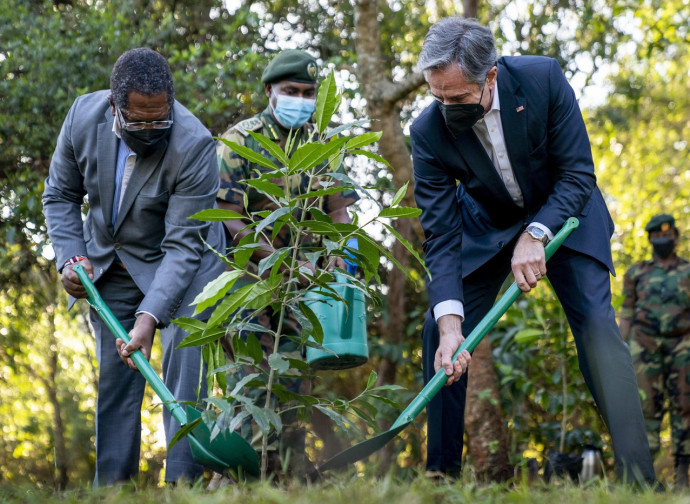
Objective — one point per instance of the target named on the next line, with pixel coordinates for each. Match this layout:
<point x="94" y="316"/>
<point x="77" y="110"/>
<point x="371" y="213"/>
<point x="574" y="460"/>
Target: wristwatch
<point x="538" y="234"/>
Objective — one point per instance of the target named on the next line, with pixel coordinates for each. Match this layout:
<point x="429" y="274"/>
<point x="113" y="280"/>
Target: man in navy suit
<point x="501" y="160"/>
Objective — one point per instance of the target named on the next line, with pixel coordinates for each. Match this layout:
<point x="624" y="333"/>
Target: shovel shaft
<point x="144" y="366"/>
<point x="436" y="383"/>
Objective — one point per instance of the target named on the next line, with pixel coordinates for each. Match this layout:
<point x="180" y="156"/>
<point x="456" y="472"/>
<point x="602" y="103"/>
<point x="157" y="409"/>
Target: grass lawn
<point x="352" y="490"/>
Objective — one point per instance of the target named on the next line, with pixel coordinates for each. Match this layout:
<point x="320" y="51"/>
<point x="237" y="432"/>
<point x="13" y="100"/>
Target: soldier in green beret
<point x="290" y="84"/>
<point x="656" y="317"/>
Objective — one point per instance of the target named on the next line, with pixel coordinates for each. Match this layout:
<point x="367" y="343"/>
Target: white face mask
<point x="292" y="112"/>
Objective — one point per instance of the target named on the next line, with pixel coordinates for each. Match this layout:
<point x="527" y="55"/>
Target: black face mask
<point x="147" y="141"/>
<point x="663" y="247"/>
<point x="460" y="117"/>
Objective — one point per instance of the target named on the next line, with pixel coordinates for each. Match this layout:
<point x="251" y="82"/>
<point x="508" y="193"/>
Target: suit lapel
<point x="107" y="160"/>
<point x="472" y="151"/>
<point x="514" y="120"/>
<point x="143" y="168"/>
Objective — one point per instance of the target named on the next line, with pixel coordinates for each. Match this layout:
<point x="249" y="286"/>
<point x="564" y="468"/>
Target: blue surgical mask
<point x="292" y="112"/>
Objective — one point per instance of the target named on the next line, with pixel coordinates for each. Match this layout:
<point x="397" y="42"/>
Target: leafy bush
<point x="284" y="280"/>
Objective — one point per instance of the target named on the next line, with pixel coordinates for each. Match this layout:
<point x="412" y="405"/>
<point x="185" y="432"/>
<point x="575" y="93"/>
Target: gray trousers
<point x="121" y="390"/>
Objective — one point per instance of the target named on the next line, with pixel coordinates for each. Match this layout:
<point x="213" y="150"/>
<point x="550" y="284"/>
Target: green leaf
<point x="528" y="336"/>
<point x="364" y="139"/>
<point x="369" y="419"/>
<point x="275" y="257"/>
<point x="322" y="192"/>
<point x="310" y="155"/>
<point x="191" y="325"/>
<point x="201" y="338"/>
<point x="237" y="420"/>
<point x="385" y="400"/>
<point x="387" y="387"/>
<point x="240" y="384"/>
<point x="400" y="194"/>
<point x="316" y="328"/>
<point x="215" y="290"/>
<point x="370" y="155"/>
<point x="339" y="419"/>
<point x="229" y="305"/>
<point x="209" y="356"/>
<point x="408" y="246"/>
<point x="278" y="363"/>
<point x="400" y="212"/>
<point x="270" y="146"/>
<point x="217" y="214"/>
<point x="254" y="349"/>
<point x="318" y="215"/>
<point x="220" y="360"/>
<point x="274" y="419"/>
<point x="266" y="187"/>
<point x="330" y="245"/>
<point x="249" y="154"/>
<point x="261" y="293"/>
<point x="274" y="216"/>
<point x="335" y="131"/>
<point x="319" y="227"/>
<point x="260" y="417"/>
<point x="327" y="101"/>
<point x="372" y="379"/>
<point x="184" y="430"/>
<point x="348" y="181"/>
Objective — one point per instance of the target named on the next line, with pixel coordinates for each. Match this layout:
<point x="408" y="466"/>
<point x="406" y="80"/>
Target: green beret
<point x="292" y="65"/>
<point x="660" y="222"/>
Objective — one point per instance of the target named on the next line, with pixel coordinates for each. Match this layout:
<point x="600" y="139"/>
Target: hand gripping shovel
<point x="369" y="446"/>
<point x="227" y="450"/>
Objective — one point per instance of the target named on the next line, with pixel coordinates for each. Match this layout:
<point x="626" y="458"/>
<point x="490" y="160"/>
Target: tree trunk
<point x="485" y="430"/>
<point x="470" y="8"/>
<point x="383" y="96"/>
<point x="50" y="384"/>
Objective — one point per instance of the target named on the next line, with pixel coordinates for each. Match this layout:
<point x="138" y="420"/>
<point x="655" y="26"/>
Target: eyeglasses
<point x="140" y="125"/>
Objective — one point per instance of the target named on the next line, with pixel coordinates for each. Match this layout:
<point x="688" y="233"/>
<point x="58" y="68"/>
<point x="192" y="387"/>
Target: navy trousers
<point x="583" y="287"/>
<point x="121" y="390"/>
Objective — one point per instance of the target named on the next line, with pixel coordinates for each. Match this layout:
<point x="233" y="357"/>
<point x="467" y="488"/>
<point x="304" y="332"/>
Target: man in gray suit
<point x="146" y="164"/>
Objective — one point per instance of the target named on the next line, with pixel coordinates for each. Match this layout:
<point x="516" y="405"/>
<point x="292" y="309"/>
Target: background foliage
<point x="634" y="54"/>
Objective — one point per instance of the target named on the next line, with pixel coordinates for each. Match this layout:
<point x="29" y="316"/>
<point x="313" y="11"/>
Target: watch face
<point x="536" y="233"/>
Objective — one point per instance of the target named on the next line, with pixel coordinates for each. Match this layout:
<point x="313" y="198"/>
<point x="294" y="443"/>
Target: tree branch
<point x="400" y="91"/>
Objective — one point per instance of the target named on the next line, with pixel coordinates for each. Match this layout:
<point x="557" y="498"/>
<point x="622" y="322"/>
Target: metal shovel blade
<point x="366" y="448"/>
<point x="227" y="450"/>
<point x="361" y="450"/>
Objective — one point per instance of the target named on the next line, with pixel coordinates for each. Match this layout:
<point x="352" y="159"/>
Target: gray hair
<point x="143" y="71"/>
<point x="462" y="41"/>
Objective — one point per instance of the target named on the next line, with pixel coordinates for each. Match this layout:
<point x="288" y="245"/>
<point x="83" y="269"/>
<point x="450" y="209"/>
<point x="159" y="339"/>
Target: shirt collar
<point x="495" y="105"/>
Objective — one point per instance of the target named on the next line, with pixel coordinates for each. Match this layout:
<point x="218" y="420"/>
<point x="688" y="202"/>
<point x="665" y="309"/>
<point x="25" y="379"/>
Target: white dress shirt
<point x="489" y="130"/>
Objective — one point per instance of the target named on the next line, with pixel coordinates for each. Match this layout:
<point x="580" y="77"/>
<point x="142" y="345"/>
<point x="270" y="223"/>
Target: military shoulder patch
<point x="251" y="124"/>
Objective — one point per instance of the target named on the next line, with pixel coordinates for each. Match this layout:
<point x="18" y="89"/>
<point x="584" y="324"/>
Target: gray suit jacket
<point x="161" y="248"/>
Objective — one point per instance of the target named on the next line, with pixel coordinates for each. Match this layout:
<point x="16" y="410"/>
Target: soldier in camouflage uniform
<point x="290" y="83"/>
<point x="656" y="315"/>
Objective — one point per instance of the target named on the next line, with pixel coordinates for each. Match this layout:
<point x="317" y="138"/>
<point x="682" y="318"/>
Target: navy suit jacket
<point x="468" y="215"/>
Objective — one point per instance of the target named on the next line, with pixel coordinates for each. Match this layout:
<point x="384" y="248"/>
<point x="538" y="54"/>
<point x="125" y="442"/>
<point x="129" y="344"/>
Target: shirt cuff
<point x="148" y="313"/>
<point x="449" y="307"/>
<point x="543" y="228"/>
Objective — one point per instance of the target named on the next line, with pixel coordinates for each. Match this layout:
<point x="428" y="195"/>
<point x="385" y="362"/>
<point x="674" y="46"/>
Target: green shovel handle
<point x="144" y="366"/>
<point x="436" y="383"/>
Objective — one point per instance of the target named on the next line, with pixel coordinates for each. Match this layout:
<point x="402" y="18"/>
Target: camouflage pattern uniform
<point x="234" y="169"/>
<point x="657" y="304"/>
